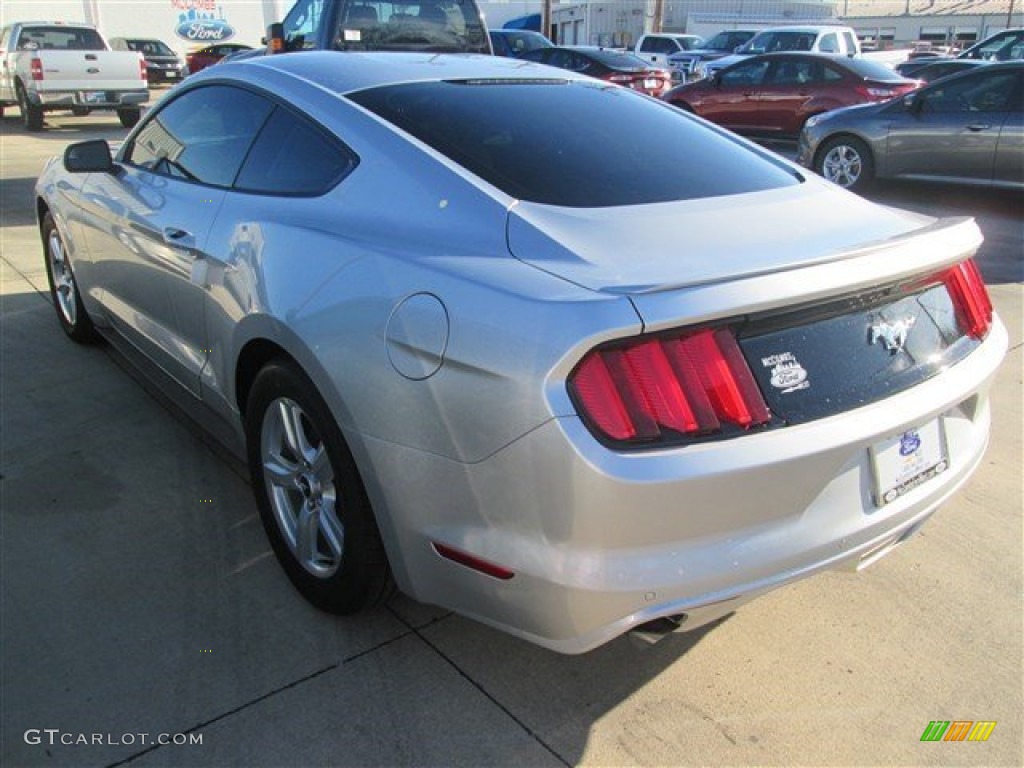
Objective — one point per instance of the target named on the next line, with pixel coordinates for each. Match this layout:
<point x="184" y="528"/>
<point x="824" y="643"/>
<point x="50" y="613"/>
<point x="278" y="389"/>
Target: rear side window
<point x="202" y="136"/>
<point x="577" y="144"/>
<point x="292" y="156"/>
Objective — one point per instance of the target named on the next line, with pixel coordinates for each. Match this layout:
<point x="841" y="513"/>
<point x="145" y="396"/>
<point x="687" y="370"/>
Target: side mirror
<point x="89" y="157"/>
<point x="715" y="78"/>
<point x="275" y="38"/>
<point x="913" y="102"/>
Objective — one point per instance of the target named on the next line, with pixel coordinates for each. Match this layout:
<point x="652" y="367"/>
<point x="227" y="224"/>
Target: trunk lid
<point x="653" y="248"/>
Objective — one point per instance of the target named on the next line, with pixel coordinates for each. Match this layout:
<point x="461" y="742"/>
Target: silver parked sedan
<point x="966" y="128"/>
<point x="534" y="347"/>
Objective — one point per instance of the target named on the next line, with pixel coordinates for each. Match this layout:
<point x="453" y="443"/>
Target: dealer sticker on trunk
<point x="905" y="461"/>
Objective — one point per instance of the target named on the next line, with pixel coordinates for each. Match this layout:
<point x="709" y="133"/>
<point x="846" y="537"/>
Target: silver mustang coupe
<point x="531" y="346"/>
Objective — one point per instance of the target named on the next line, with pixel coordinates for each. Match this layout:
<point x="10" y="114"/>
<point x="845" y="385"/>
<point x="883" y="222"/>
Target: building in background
<point x="958" y="23"/>
<point x="621" y="22"/>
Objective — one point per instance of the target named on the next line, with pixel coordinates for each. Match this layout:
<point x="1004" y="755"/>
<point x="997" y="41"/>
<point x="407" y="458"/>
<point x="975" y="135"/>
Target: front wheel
<point x="129" y="117"/>
<point x="63" y="287"/>
<point x="311" y="499"/>
<point x="846" y="161"/>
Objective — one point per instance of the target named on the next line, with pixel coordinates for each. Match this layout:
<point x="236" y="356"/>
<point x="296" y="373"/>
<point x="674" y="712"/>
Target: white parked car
<point x="656" y="48"/>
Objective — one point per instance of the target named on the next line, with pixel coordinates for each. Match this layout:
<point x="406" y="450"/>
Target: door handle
<point x="975" y="127"/>
<point x="178" y="237"/>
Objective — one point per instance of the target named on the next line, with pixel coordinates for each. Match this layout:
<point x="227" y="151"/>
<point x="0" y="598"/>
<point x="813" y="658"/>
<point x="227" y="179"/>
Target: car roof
<point x="345" y="72"/>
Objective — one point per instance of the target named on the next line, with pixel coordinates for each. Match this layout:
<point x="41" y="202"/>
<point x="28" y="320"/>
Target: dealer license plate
<point x="94" y="97"/>
<point x="905" y="461"/>
<point x="651" y="83"/>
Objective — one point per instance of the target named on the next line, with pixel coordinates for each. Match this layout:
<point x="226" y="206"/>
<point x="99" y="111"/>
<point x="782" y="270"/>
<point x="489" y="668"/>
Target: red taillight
<point x="874" y="92"/>
<point x="970" y="297"/>
<point x="668" y="386"/>
<point x="142" y="69"/>
<point x="36" y="69"/>
<point x="620" y="78"/>
<point x="472" y="561"/>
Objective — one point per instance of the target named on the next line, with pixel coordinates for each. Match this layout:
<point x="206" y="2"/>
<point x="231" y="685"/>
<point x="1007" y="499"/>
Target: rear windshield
<point x="872" y="70"/>
<point x="576" y="144"/>
<point x="769" y="42"/>
<point x="615" y="59"/>
<point x="443" y="26"/>
<point x="60" y="39"/>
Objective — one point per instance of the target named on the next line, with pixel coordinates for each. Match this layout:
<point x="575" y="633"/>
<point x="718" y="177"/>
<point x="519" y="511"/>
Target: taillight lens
<point x="657" y="389"/>
<point x="36" y="69"/>
<point x="620" y="78"/>
<point x="142" y="69"/>
<point x="874" y="93"/>
<point x="970" y="297"/>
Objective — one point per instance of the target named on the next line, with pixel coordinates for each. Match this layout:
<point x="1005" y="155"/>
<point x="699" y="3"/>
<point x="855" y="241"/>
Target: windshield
<point x="443" y="26"/>
<point x="582" y="144"/>
<point x="61" y="39"/>
<point x="770" y="42"/>
<point x="152" y="47"/>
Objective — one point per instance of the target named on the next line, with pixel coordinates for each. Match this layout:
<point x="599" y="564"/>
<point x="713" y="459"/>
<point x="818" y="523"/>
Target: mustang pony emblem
<point x="892" y="335"/>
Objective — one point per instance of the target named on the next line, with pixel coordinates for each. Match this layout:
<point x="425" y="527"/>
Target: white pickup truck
<point x="51" y="65"/>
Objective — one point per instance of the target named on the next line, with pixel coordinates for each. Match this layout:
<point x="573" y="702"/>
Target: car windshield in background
<point x="447" y="26"/>
<point x="61" y="39"/>
<point x="152" y="47"/>
<point x="576" y="144"/>
<point x="770" y="42"/>
<point x="872" y="70"/>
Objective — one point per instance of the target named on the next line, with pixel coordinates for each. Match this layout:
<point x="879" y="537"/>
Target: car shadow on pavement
<point x="13" y="197"/>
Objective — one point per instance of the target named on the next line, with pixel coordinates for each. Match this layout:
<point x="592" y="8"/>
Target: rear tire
<point x="63" y="288"/>
<point x="311" y="499"/>
<point x="31" y="115"/>
<point x="129" y="117"/>
<point x="847" y="162"/>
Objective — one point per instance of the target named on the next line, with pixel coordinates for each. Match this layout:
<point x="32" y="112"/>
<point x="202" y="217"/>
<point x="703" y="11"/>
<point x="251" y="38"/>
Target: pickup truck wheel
<point x="31" y="115"/>
<point x="129" y="117"/>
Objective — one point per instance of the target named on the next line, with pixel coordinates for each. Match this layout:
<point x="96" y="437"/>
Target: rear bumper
<point x="93" y="99"/>
<point x="601" y="542"/>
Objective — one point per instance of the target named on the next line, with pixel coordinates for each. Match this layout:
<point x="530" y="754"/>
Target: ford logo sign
<point x="205" y="31"/>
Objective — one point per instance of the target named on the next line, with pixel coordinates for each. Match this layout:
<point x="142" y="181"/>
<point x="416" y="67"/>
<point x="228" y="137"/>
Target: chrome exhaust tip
<point x="652" y="631"/>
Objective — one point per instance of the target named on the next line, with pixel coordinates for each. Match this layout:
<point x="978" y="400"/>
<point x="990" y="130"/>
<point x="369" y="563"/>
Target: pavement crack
<point x="465" y="676"/>
<point x="242" y="707"/>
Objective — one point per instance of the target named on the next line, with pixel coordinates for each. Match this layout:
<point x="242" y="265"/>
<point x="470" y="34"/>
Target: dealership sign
<point x="205" y="31"/>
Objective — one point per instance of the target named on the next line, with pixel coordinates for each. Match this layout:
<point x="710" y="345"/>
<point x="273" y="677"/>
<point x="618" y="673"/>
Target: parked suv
<point x="719" y="46"/>
<point x="162" y="64"/>
<point x="817" y="39"/>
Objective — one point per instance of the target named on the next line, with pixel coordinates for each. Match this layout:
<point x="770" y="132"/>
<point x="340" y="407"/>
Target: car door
<point x="732" y="100"/>
<point x="953" y="129"/>
<point x="788" y="85"/>
<point x="1009" y="164"/>
<point x="147" y="224"/>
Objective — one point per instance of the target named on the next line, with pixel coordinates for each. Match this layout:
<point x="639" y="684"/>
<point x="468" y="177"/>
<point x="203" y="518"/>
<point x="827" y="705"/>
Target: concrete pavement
<point x="139" y="596"/>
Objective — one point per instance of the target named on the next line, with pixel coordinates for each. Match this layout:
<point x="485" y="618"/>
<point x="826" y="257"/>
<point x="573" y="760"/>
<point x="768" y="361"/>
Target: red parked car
<point x="211" y="54"/>
<point x="774" y="94"/>
<point x="605" y="64"/>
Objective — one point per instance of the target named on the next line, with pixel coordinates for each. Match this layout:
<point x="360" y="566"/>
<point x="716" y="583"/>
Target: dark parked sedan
<point x="162" y="63"/>
<point x="967" y="128"/>
<point x="604" y="64"/>
<point x="945" y="68"/>
<point x="774" y="94"/>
